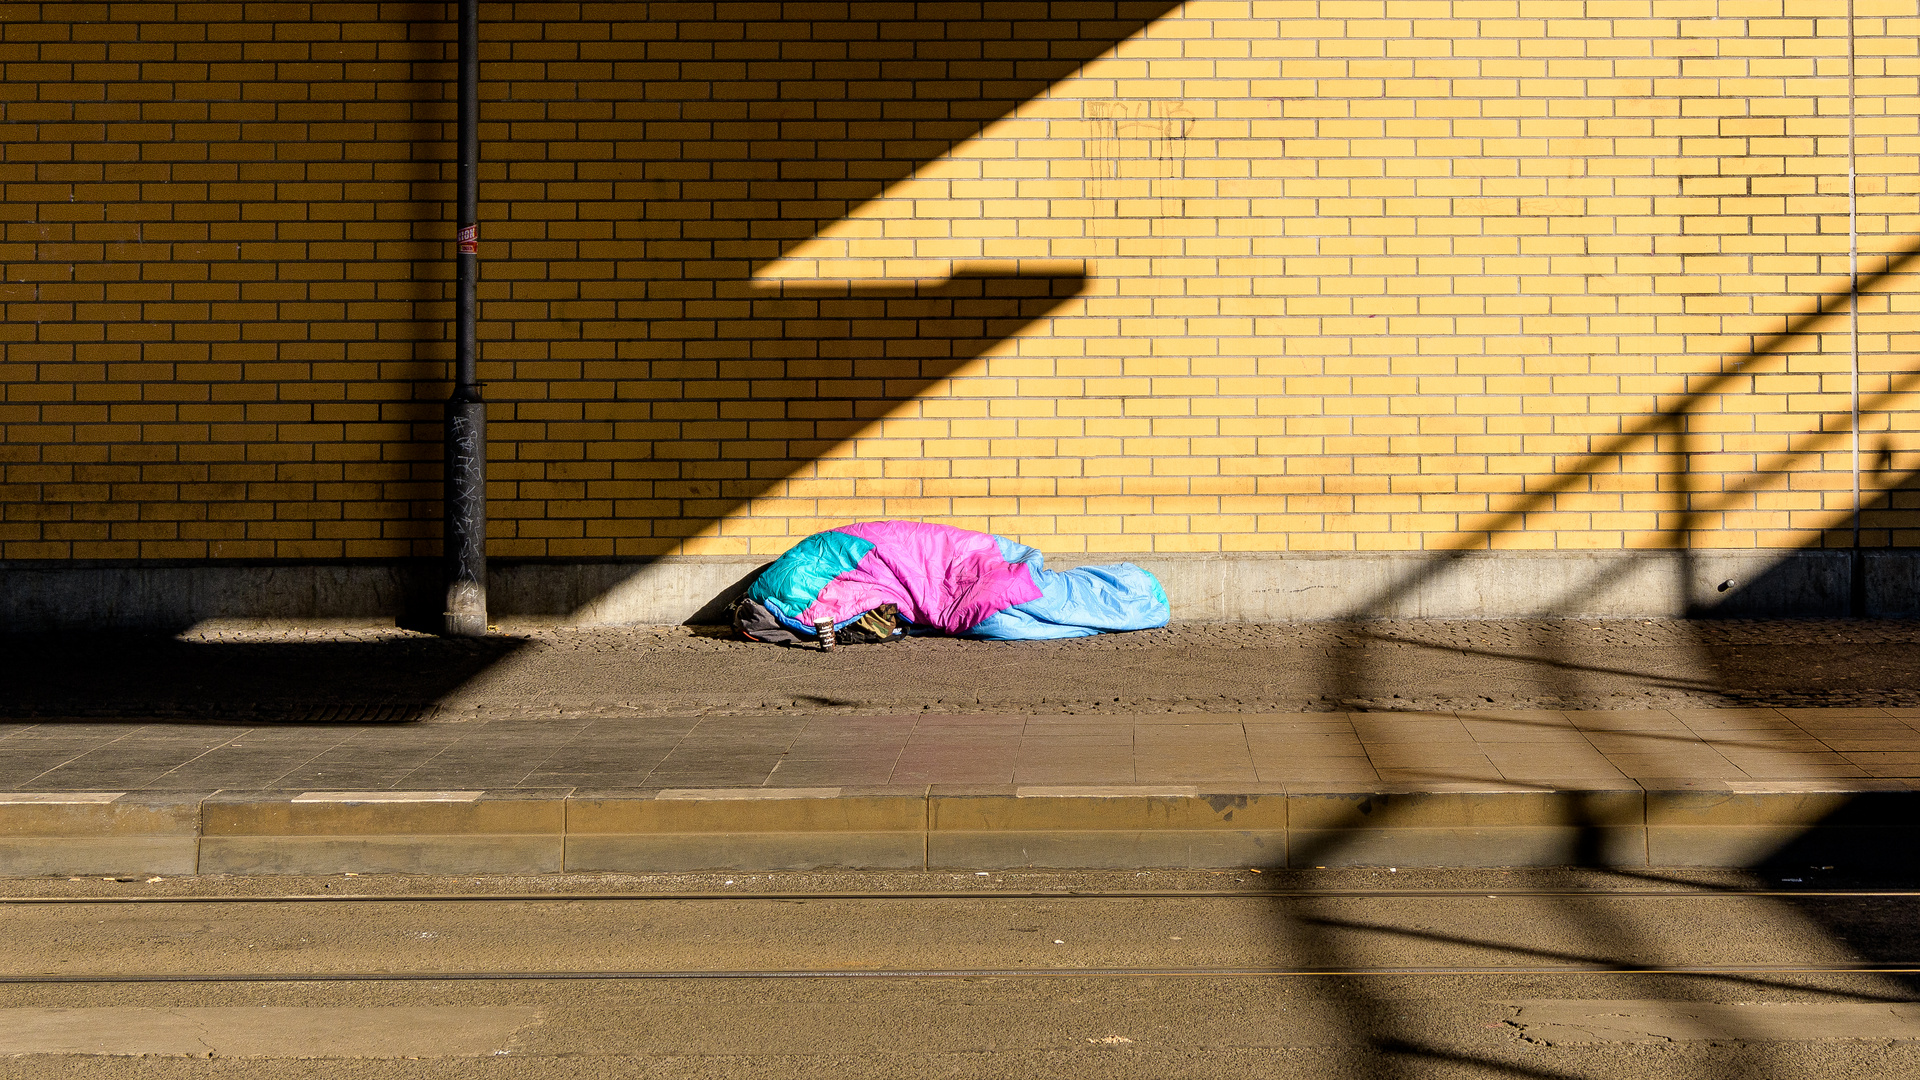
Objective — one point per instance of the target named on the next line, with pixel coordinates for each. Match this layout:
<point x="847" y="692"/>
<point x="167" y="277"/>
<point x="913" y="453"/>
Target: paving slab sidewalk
<point x="371" y="750"/>
<point x="1536" y="748"/>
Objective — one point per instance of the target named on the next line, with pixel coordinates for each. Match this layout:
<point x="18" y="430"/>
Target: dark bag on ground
<point x="755" y="622"/>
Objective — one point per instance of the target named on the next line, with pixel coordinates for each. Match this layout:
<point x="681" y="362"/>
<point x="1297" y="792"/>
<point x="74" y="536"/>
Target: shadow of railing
<point x="1668" y="435"/>
<point x="1688" y="501"/>
<point x="1607" y="939"/>
<point x="1863" y="837"/>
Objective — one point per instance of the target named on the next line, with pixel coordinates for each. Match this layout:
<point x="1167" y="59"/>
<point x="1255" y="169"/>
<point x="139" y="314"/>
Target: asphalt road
<point x="348" y="674"/>
<point x="1346" y="974"/>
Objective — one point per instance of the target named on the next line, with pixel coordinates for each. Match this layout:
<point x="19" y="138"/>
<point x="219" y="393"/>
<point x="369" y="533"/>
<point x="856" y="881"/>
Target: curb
<point x="1858" y="824"/>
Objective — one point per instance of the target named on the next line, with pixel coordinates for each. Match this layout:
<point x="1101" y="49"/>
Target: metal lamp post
<point x="465" y="515"/>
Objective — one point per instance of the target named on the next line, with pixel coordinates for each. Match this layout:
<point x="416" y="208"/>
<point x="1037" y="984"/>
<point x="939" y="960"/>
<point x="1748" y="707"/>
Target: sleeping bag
<point x="939" y="579"/>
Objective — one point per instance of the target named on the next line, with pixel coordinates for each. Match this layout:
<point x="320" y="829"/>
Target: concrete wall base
<point x="51" y="596"/>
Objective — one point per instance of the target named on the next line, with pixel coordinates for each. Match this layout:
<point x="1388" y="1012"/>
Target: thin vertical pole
<point x="466" y="458"/>
<point x="1857" y="559"/>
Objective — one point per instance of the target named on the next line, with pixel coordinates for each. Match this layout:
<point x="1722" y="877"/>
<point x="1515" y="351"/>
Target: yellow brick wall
<point x="1281" y="275"/>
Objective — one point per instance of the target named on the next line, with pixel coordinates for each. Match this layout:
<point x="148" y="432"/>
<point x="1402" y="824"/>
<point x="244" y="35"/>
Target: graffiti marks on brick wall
<point x="1137" y="153"/>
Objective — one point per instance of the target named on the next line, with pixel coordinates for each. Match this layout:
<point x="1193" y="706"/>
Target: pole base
<point x="465" y="624"/>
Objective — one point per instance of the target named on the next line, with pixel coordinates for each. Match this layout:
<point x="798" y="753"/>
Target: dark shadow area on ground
<point x="129" y="678"/>
<point x="1865" y="839"/>
<point x="687" y="671"/>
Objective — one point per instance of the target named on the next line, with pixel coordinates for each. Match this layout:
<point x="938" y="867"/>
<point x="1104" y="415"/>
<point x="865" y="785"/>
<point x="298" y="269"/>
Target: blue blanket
<point x="1079" y="602"/>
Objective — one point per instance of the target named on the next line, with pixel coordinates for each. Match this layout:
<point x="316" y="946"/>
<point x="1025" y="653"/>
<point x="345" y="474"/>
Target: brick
<point x="1374" y="289"/>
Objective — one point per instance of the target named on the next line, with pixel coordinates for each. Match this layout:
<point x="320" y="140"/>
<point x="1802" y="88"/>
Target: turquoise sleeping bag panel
<point x="796" y="578"/>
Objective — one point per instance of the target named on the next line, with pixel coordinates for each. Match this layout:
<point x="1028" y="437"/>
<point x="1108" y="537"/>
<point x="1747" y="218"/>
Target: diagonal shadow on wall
<point x="1668" y="436"/>
<point x="887" y="343"/>
<point x="722" y="149"/>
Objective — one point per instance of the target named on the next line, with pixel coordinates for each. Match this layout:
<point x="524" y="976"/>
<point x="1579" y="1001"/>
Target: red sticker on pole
<point x="469" y="239"/>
